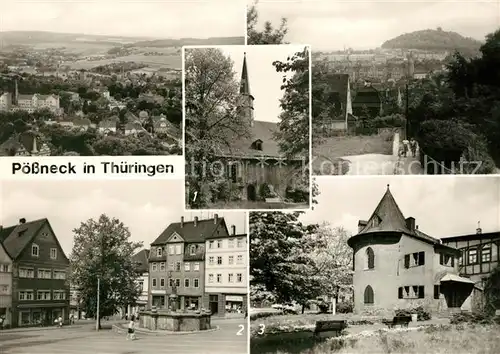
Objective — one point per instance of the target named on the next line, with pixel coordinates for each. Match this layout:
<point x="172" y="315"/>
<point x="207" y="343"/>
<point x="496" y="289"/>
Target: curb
<point x="36" y="329"/>
<point x="122" y="330"/>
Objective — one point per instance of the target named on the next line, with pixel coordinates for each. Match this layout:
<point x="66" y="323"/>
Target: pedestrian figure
<point x="131" y="330"/>
<point x="413" y="147"/>
<point x="406" y="147"/>
<point x="1" y="322"/>
<point x="60" y="321"/>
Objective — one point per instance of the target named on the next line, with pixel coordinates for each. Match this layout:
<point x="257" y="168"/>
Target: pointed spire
<point x="244" y="85"/>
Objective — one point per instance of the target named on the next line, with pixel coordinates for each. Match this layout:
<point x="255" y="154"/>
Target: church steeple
<point x="246" y="96"/>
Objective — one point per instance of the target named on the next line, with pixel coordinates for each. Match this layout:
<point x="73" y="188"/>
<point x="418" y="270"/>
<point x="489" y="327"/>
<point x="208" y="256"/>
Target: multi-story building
<point x="5" y="285"/>
<point x="40" y="290"/>
<point x="226" y="280"/>
<point x="479" y="255"/>
<point x="177" y="263"/>
<point x="141" y="259"/>
<point x="396" y="265"/>
<point x="5" y="101"/>
<point x="32" y="103"/>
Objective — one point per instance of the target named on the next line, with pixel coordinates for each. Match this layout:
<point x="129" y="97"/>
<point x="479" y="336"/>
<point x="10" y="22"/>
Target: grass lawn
<point x="431" y="340"/>
<point x="341" y="146"/>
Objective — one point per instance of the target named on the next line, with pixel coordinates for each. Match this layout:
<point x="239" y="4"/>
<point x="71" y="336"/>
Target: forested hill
<point x="433" y="40"/>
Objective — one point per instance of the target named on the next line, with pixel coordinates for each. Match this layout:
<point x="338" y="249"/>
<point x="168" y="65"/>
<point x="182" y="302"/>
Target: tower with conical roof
<point x="396" y="265"/>
<point x="247" y="99"/>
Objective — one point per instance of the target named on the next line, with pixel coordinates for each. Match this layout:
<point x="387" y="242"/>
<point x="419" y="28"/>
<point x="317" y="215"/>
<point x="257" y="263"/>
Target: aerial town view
<point x="401" y="265"/>
<point x="70" y="89"/>
<point x="247" y="127"/>
<point x="86" y="268"/>
<point x="399" y="87"/>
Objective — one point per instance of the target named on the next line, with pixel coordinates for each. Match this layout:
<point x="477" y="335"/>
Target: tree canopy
<point x="103" y="250"/>
<point x="269" y="34"/>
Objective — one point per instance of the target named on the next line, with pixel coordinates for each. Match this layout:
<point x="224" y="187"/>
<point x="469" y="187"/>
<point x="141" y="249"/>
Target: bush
<point x="422" y="314"/>
<point x="344" y="307"/>
<point x="469" y="317"/>
<point x="264" y="314"/>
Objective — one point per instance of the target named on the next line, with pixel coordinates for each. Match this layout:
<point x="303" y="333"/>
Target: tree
<point x="213" y="120"/>
<point x="332" y="259"/>
<point x="102" y="250"/>
<point x="294" y="127"/>
<point x="492" y="292"/>
<point x="279" y="257"/>
<point x="270" y="34"/>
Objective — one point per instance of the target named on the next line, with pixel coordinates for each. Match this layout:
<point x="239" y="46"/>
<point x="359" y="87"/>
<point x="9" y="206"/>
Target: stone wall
<point x="174" y="321"/>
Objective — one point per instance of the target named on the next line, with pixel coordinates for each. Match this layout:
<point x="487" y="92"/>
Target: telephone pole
<point x="97" y="312"/>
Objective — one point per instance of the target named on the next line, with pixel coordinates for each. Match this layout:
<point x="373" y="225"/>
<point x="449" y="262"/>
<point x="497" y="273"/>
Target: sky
<point x="264" y="81"/>
<point x="441" y="206"/>
<point x="334" y="24"/>
<point x="148" y="18"/>
<point x="146" y="208"/>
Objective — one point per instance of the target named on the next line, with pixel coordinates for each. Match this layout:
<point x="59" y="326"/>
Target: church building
<point x="256" y="167"/>
<point x="397" y="266"/>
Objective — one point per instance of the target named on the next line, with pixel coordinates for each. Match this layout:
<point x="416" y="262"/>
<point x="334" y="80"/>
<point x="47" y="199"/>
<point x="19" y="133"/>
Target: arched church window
<point x="368" y="295"/>
<point x="370" y="258"/>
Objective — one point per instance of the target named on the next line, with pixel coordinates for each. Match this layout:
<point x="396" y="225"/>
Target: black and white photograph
<point x="380" y="265"/>
<point x="247" y="127"/>
<point x="101" y="77"/>
<point x="117" y="267"/>
<point x="400" y="87"/>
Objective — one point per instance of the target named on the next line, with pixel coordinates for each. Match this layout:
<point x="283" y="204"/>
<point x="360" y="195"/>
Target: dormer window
<point x="158" y="252"/>
<point x="375" y="221"/>
<point x="35" y="250"/>
<point x="257" y="145"/>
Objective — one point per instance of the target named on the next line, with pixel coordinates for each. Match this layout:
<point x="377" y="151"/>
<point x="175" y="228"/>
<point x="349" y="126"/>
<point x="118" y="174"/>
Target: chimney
<point x="410" y="223"/>
<point x="182" y="221"/>
<point x="216" y="218"/>
<point x="22" y="221"/>
<point x="479" y="231"/>
<point x="233" y="230"/>
<point x="195" y="221"/>
<point x="361" y="225"/>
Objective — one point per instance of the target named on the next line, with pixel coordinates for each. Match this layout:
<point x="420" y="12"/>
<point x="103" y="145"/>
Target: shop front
<point x="44" y="315"/>
<point x="235" y="303"/>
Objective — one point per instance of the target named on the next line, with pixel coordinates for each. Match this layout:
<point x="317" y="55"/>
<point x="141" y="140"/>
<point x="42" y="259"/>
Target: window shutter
<point x="421" y="293"/>
<point x="407" y="261"/>
<point x="436" y="291"/>
<point x="421" y="258"/>
<point x="400" y="292"/>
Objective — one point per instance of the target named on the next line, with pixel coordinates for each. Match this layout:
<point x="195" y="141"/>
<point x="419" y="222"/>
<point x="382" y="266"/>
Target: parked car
<point x="288" y="308"/>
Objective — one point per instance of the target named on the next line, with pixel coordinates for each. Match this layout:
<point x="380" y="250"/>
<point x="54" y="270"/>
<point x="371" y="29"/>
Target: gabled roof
<point x="190" y="233"/>
<point x="260" y="130"/>
<point x="367" y="96"/>
<point x="141" y="259"/>
<point x="21" y="235"/>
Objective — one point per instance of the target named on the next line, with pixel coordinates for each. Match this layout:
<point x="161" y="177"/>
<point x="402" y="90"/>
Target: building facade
<point x="398" y="266"/>
<point x="40" y="290"/>
<point x="479" y="255"/>
<point x="177" y="263"/>
<point x="141" y="259"/>
<point x="226" y="289"/>
<point x="5" y="286"/>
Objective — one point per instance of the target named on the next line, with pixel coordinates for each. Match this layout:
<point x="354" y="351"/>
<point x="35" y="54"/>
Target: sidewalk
<point x="77" y="325"/>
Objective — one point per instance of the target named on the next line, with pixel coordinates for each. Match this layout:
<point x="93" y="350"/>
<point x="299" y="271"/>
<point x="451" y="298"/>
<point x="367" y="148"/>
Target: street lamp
<point x="98" y="298"/>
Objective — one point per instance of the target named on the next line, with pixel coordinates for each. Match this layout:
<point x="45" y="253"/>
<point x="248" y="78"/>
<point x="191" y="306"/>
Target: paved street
<point x="84" y="339"/>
